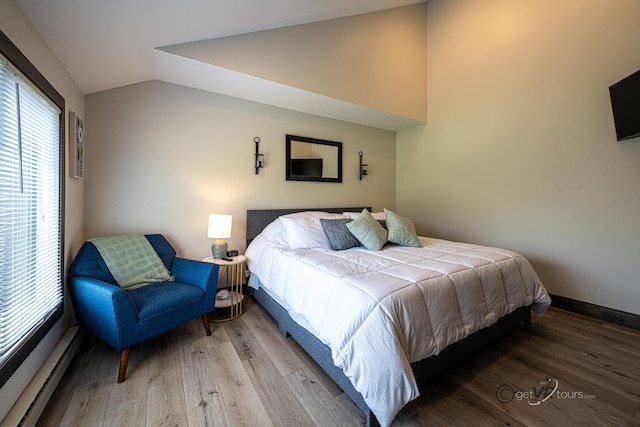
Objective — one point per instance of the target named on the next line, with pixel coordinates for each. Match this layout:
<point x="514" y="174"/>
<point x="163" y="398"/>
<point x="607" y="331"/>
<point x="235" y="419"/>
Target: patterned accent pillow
<point x="339" y="236"/>
<point x="401" y="230"/>
<point x="368" y="231"/>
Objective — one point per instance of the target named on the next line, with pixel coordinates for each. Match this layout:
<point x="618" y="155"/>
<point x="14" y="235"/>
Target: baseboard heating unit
<point x="32" y="402"/>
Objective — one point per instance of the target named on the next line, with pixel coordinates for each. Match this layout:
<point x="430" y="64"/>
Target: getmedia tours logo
<point x="538" y="394"/>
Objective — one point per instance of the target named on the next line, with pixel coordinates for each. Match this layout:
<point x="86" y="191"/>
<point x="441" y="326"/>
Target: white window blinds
<point x="30" y="211"/>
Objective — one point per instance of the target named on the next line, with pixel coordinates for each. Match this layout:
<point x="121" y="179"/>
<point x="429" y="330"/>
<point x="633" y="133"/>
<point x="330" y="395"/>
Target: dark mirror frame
<point x="291" y="176"/>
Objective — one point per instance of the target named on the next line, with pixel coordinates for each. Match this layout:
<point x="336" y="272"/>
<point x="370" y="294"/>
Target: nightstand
<point x="231" y="307"/>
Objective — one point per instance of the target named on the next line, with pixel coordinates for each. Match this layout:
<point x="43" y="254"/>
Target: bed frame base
<point x="422" y="370"/>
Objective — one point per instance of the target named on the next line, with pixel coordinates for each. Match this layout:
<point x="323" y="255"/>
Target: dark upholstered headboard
<point x="258" y="219"/>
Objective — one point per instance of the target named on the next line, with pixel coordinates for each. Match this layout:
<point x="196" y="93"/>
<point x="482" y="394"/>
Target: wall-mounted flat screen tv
<point x="625" y="102"/>
<point x="306" y="167"/>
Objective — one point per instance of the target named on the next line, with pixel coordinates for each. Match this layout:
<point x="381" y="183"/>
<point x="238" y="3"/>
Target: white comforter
<point x="381" y="311"/>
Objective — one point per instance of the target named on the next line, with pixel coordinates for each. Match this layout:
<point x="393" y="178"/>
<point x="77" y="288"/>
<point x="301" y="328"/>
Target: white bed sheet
<point x="380" y="311"/>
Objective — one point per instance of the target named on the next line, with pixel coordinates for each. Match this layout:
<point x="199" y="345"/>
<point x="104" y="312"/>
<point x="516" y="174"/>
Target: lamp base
<point x="219" y="249"/>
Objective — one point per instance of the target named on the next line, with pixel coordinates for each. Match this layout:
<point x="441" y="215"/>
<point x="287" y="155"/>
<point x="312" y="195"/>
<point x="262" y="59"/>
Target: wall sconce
<point x="363" y="167"/>
<point x="259" y="157"/>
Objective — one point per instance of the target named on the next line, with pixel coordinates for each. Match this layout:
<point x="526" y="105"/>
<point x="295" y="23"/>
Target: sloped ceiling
<point x="108" y="44"/>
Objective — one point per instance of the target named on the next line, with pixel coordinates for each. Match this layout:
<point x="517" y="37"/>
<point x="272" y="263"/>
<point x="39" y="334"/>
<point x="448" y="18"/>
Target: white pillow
<point x="304" y="230"/>
<point x="276" y="234"/>
<point x="376" y="215"/>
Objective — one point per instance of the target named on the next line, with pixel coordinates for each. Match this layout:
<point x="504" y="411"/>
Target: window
<point x="31" y="197"/>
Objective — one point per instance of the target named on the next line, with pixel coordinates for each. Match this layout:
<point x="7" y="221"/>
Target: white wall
<point x="20" y="31"/>
<point x="161" y="157"/>
<point x="376" y="60"/>
<point x="520" y="151"/>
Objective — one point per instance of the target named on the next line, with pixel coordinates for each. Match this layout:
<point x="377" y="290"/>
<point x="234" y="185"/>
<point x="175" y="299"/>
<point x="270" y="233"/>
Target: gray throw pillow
<point x="338" y="234"/>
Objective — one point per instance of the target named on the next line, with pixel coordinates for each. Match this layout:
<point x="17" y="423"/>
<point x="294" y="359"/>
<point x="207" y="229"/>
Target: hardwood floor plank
<point x="166" y="400"/>
<point x="243" y="340"/>
<point x="219" y="411"/>
<point x="247" y="374"/>
<point x="594" y="332"/>
<point x="452" y="404"/>
<point x="241" y="401"/>
<point x="204" y="403"/>
<point x="280" y="402"/>
<point x="526" y="375"/>
<point x="218" y="335"/>
<point x="318" y="403"/>
<point x="286" y="354"/>
<point x="332" y="388"/>
<point x="53" y="414"/>
<point x="104" y="363"/>
<point x="88" y="404"/>
<point x="126" y="414"/>
<point x="488" y="384"/>
<point x="285" y="357"/>
<point x="619" y="377"/>
<point x="573" y="386"/>
<point x="128" y="400"/>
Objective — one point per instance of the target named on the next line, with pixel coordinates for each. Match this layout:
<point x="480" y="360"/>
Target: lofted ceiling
<point x="108" y="44"/>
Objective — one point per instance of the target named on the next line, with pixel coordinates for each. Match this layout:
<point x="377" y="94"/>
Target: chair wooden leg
<point x="207" y="327"/>
<point x="124" y="360"/>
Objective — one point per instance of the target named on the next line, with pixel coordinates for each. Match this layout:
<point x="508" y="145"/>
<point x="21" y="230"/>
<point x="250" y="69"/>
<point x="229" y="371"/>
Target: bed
<point x="382" y="322"/>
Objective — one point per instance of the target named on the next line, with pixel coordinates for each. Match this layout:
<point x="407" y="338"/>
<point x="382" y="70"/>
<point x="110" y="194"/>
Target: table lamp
<point x="219" y="229"/>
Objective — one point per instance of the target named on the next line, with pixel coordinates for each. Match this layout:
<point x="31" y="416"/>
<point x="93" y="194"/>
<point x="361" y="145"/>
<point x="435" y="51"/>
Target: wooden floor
<point x="246" y="374"/>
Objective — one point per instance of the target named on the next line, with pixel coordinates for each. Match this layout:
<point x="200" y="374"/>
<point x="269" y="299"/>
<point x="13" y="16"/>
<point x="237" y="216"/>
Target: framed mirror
<point x="310" y="159"/>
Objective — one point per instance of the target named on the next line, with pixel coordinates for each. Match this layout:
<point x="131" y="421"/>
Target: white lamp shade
<point x="219" y="226"/>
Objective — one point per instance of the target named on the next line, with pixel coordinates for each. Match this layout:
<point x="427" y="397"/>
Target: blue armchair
<point x="123" y="318"/>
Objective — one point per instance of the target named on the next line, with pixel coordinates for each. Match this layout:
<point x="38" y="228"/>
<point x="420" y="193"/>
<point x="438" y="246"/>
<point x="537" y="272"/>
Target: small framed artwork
<point x="76" y="145"/>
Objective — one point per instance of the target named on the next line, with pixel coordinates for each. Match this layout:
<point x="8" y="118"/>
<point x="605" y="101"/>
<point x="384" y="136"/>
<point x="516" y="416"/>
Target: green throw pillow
<point x="368" y="231"/>
<point x="401" y="230"/>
